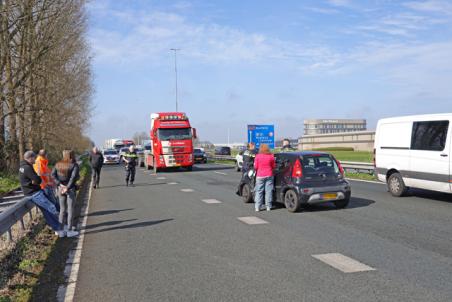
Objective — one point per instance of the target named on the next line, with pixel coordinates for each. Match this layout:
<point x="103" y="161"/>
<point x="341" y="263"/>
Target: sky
<point x="266" y="62"/>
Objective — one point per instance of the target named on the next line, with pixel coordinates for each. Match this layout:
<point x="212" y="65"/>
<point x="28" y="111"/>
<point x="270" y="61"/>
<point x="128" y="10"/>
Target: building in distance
<point x="328" y="126"/>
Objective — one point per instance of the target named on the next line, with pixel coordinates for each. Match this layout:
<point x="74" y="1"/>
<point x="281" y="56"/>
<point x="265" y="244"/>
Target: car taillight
<point x="341" y="169"/>
<point x="297" y="171"/>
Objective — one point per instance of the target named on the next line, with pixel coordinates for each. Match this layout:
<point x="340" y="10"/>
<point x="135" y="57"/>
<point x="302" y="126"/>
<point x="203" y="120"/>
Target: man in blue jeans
<point x="30" y="183"/>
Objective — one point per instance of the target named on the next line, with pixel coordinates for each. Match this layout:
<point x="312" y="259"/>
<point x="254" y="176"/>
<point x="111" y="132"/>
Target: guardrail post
<point x="30" y="215"/>
<point x="22" y="224"/>
<point x="9" y="235"/>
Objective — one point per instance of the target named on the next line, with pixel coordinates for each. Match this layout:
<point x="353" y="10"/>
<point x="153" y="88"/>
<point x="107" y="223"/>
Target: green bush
<point x="8" y="182"/>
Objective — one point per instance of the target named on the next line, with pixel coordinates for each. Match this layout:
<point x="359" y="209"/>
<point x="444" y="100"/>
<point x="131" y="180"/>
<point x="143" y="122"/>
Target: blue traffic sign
<point x="262" y="134"/>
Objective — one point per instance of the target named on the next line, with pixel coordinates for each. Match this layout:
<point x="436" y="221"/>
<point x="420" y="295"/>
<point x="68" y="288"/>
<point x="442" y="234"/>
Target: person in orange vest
<point x="41" y="168"/>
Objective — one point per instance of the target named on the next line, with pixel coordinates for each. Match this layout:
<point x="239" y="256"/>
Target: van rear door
<point x="430" y="155"/>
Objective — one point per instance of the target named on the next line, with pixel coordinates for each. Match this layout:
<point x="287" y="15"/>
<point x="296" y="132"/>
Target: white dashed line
<point x="343" y="263"/>
<point x="161" y="177"/>
<point x="252" y="220"/>
<point x="221" y="173"/>
<point x="211" y="201"/>
<point x="187" y="190"/>
<point x="172" y="183"/>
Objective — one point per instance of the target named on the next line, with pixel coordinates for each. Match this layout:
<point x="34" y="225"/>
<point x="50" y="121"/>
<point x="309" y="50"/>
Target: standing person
<point x="66" y="174"/>
<point x="96" y="160"/>
<point x="41" y="167"/>
<point x="286" y="146"/>
<point x="30" y="183"/>
<point x="130" y="158"/>
<point x="264" y="163"/>
<point x="248" y="157"/>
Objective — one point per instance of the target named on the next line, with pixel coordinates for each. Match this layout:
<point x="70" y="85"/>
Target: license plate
<point x="329" y="196"/>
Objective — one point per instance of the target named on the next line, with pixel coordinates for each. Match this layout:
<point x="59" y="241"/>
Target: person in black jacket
<point x="30" y="183"/>
<point x="131" y="160"/>
<point x="66" y="174"/>
<point x="248" y="157"/>
<point x="96" y="160"/>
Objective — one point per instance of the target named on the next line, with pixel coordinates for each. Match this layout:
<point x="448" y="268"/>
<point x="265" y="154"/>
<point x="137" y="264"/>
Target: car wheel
<point x="291" y="201"/>
<point x="396" y="185"/>
<point x="247" y="195"/>
<point x="341" y="204"/>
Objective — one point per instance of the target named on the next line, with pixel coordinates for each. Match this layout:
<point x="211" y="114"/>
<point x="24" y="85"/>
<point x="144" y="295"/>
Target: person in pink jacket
<point x="264" y="163"/>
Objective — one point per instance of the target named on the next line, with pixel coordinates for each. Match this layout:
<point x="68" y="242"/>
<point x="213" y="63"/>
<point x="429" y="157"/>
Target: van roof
<point x="422" y="117"/>
<point x="302" y="153"/>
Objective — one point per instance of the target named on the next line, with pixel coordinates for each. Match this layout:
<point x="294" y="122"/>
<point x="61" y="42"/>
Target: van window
<point x="429" y="135"/>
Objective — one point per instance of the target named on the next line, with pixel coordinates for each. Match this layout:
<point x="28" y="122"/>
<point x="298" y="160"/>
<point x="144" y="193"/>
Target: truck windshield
<point x="179" y="133"/>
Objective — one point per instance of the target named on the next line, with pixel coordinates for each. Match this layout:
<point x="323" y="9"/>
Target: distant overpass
<point x="359" y="141"/>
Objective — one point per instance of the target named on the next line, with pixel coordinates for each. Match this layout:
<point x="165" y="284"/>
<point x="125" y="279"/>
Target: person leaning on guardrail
<point x="41" y="167"/>
<point x="66" y="174"/>
<point x="30" y="183"/>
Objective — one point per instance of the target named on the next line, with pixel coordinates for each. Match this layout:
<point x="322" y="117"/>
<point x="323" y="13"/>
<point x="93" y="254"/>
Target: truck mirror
<point x="194" y="133"/>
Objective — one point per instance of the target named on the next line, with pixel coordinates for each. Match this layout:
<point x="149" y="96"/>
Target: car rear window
<point x="316" y="165"/>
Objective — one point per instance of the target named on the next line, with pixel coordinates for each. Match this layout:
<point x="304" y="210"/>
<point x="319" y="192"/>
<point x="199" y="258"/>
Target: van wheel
<point x="396" y="185"/>
<point x="343" y="203"/>
<point x="247" y="196"/>
<point x="291" y="201"/>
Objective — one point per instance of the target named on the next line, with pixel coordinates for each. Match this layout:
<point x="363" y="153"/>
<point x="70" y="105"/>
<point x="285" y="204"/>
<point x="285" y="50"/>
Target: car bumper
<point x="313" y="195"/>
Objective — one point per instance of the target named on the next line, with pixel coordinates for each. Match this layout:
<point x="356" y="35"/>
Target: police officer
<point x="248" y="157"/>
<point x="131" y="160"/>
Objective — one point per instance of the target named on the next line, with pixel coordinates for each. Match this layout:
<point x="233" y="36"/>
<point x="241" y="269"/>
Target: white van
<point x="414" y="151"/>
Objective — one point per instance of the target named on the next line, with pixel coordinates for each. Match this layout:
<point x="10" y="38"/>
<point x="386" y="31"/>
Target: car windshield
<point x="148" y="147"/>
<point x="197" y="151"/>
<point x="124" y="149"/>
<point x="316" y="165"/>
<point x="118" y="146"/>
<point x="110" y="152"/>
<point x="169" y="134"/>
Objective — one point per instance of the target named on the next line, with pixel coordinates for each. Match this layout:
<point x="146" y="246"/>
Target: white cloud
<point x="343" y="3"/>
<point x="432" y="6"/>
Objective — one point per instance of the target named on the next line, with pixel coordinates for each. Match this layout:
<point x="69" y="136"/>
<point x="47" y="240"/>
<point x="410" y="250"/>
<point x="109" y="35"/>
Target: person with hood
<point x="41" y="167"/>
<point x="30" y="183"/>
<point x="131" y="160"/>
<point x="66" y="174"/>
<point x="96" y="160"/>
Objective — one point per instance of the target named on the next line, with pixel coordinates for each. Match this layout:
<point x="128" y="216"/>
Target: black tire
<point x="237" y="168"/>
<point x="190" y="168"/>
<point x="292" y="201"/>
<point x="341" y="204"/>
<point x="247" y="195"/>
<point x="396" y="185"/>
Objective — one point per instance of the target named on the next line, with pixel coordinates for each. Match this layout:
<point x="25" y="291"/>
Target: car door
<point x="281" y="172"/>
<point x="430" y="156"/>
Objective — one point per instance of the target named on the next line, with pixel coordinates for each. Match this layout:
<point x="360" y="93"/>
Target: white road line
<point x="343" y="263"/>
<point x="221" y="173"/>
<point x="172" y="183"/>
<point x="161" y="177"/>
<point x="66" y="292"/>
<point x="368" y="181"/>
<point x="252" y="220"/>
<point x="187" y="190"/>
<point x="211" y="201"/>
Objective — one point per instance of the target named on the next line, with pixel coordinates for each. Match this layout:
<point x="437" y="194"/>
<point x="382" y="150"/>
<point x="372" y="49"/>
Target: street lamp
<point x="175" y="71"/>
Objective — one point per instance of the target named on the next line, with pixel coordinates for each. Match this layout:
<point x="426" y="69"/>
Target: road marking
<point x="252" y="220"/>
<point x="187" y="190"/>
<point x="343" y="263"/>
<point x="211" y="201"/>
<point x="66" y="292"/>
<point x="161" y="177"/>
<point x="368" y="181"/>
<point x="221" y="173"/>
<point x="173" y="183"/>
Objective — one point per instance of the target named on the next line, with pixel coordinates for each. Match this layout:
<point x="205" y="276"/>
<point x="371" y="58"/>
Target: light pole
<point x="175" y="70"/>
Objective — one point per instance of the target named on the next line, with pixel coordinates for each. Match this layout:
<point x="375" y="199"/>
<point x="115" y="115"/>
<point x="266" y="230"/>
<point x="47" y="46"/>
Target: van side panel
<point x="392" y="148"/>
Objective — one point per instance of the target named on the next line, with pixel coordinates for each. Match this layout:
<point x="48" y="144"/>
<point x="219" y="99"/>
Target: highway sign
<point x="262" y="134"/>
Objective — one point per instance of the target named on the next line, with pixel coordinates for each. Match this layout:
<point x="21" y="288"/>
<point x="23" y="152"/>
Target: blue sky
<point x="267" y="62"/>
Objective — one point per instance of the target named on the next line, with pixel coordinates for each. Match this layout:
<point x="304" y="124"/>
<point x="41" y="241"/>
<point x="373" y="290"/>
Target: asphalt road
<point x="154" y="242"/>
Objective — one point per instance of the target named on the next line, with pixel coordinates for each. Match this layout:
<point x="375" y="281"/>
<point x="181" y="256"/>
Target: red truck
<point x="171" y="141"/>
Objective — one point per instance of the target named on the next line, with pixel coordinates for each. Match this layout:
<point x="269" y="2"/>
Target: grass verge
<point x="8" y="183"/>
<point x="34" y="269"/>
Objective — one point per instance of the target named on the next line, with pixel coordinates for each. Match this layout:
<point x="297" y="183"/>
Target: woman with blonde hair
<point x="264" y="163"/>
<point x="66" y="174"/>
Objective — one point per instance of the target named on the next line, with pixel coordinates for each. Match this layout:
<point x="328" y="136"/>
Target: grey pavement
<point x="154" y="242"/>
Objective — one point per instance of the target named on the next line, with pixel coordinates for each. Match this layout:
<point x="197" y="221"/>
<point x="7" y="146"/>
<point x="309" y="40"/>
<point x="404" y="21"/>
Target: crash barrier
<point x="14" y="214"/>
<point x="350" y="166"/>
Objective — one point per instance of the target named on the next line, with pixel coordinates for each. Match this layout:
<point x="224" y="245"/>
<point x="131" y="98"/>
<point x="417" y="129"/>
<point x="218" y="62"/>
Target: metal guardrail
<point x="359" y="167"/>
<point x="15" y="213"/>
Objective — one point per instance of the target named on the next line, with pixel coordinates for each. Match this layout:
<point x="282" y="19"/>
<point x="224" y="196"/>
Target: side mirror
<point x="195" y="136"/>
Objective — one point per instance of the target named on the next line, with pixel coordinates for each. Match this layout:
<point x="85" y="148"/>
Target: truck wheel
<point x="341" y="204"/>
<point x="291" y="201"/>
<point x="396" y="185"/>
<point x="247" y="195"/>
<point x="190" y="168"/>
